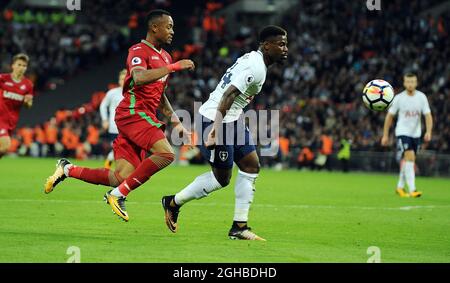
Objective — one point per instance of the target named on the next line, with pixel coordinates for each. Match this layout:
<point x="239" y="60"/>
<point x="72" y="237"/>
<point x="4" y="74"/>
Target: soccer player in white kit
<point x="410" y="105"/>
<point x="108" y="111"/>
<point x="221" y="124"/>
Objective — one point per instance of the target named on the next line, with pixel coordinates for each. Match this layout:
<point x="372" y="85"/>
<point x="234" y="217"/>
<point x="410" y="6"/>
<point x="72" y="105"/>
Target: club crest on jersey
<point x="23" y="87"/>
<point x="2" y="131"/>
<point x="136" y="61"/>
<point x="223" y="155"/>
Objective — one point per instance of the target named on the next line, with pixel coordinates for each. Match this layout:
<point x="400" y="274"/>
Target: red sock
<point x="144" y="171"/>
<point x="93" y="176"/>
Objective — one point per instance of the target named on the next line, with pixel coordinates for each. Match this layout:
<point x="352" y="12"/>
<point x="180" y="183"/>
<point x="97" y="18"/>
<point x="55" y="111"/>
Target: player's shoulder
<point x="400" y="95"/>
<point x="28" y="81"/>
<point x="138" y="47"/>
<point x="251" y="60"/>
<point x="5" y="76"/>
<point x="257" y="64"/>
<point x="421" y="94"/>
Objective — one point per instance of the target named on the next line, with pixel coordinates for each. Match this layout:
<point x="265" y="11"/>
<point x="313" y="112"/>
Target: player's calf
<point x="5" y="143"/>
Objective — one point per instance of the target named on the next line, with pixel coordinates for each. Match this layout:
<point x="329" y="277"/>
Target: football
<point x="378" y="95"/>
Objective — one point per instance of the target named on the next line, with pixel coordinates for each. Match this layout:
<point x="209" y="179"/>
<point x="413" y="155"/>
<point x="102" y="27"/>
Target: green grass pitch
<point x="305" y="216"/>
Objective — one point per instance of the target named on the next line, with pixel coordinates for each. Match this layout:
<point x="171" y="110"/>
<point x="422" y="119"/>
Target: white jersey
<point x="108" y="108"/>
<point x="248" y="75"/>
<point x="409" y="109"/>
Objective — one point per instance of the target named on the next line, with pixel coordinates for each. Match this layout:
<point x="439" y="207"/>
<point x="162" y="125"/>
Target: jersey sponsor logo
<point x="155" y="58"/>
<point x="136" y="61"/>
<point x="12" y="95"/>
<point x="136" y="48"/>
<point x="9" y="84"/>
<point x="412" y="114"/>
<point x="223" y="155"/>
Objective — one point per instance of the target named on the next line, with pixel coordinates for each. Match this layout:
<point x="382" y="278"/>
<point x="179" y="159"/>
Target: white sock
<point x="117" y="193"/>
<point x="66" y="169"/>
<point x="244" y="192"/>
<point x="199" y="188"/>
<point x="110" y="156"/>
<point x="410" y="175"/>
<point x="401" y="177"/>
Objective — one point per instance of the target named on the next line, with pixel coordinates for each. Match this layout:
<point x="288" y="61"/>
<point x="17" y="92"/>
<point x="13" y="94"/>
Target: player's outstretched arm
<point x="387" y="126"/>
<point x="141" y="76"/>
<point x="225" y="104"/>
<point x="429" y="127"/>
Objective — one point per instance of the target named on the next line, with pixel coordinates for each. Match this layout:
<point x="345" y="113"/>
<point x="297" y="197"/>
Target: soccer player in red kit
<point x="15" y="90"/>
<point x="140" y="132"/>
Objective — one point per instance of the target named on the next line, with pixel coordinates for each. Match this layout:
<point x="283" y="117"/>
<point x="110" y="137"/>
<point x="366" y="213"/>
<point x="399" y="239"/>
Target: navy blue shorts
<point x="405" y="143"/>
<point x="112" y="137"/>
<point x="235" y="143"/>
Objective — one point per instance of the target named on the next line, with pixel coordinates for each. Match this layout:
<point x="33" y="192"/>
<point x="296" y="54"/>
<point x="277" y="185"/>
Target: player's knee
<point x="251" y="168"/>
<point x="410" y="155"/>
<point x="164" y="159"/>
<point x="224" y="179"/>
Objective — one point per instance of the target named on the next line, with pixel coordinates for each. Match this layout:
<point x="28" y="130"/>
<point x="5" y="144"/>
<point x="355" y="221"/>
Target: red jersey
<point x="12" y="94"/>
<point x="143" y="100"/>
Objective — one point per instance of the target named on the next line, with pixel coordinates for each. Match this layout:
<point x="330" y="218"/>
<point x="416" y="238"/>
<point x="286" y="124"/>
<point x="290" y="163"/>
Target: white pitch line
<point x="209" y="204"/>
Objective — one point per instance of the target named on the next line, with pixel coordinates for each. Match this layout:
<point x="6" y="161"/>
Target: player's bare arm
<point x="142" y="76"/>
<point x="166" y="109"/>
<point x="387" y="126"/>
<point x="28" y="100"/>
<point x="225" y="104"/>
<point x="429" y="127"/>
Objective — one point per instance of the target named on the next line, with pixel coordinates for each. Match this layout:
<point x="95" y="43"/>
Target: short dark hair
<point x="410" y="75"/>
<point x="21" y="56"/>
<point x="270" y="31"/>
<point x="154" y="14"/>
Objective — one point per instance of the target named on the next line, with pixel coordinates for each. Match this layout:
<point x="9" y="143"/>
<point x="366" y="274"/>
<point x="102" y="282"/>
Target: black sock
<point x="235" y="224"/>
<point x="172" y="198"/>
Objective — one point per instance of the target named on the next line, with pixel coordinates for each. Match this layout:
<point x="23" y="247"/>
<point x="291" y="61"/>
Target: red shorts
<point x="137" y="135"/>
<point x="5" y="129"/>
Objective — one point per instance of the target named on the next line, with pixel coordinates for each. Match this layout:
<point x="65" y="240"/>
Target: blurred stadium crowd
<point x="335" y="48"/>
